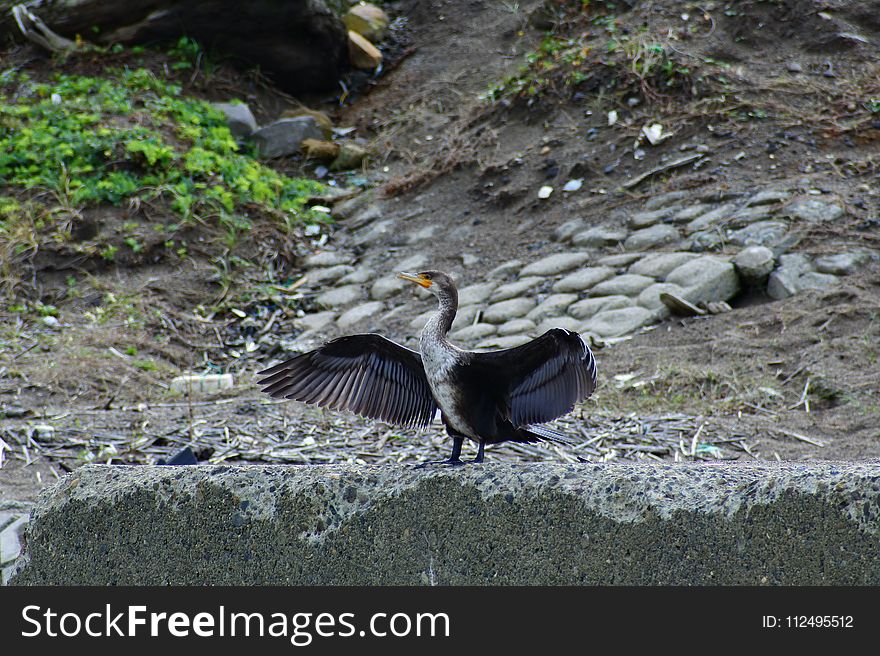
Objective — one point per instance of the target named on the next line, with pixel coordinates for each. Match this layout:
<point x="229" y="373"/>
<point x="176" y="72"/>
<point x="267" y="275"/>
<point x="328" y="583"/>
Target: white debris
<point x="545" y="191"/>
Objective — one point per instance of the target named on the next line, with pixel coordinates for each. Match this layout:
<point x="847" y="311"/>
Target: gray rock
<point x="599" y="236"/>
<point x="323" y="276"/>
<point x="516" y="326"/>
<point x="711" y="217"/>
<point x="552" y="306"/>
<point x="239" y="118"/>
<point x="505" y="269"/>
<point x="619" y="259"/>
<point x="422" y="234"/>
<point x="568" y="323"/>
<point x="472" y="333"/>
<point x="377" y="232"/>
<point x="419" y="322"/>
<point x="285" y="136"/>
<point x="477" y="293"/>
<point x="316" y="320"/>
<point x="340" y="296"/>
<point x="762" y="233"/>
<point x="768" y="197"/>
<point x="650" y="296"/>
<point x="814" y="210"/>
<point x="628" y="284"/>
<point x="515" y="288"/>
<point x="754" y="264"/>
<point x="504" y="311"/>
<point x="414" y="262"/>
<point x="568" y="229"/>
<point x="465" y="317"/>
<point x="589" y="307"/>
<point x="651" y="237"/>
<point x="359" y="276"/>
<point x="658" y="265"/>
<point x="506" y="342"/>
<point x="815" y="280"/>
<point x="645" y="219"/>
<point x="387" y="286"/>
<point x="706" y="279"/>
<point x="783" y="282"/>
<point x="842" y="264"/>
<point x="327" y="258"/>
<point x="707" y="240"/>
<point x="663" y="200"/>
<point x="748" y="215"/>
<point x="364" y="217"/>
<point x="583" y="279"/>
<point x="555" y="264"/>
<point x="613" y="323"/>
<point x="359" y="313"/>
<point x="690" y="213"/>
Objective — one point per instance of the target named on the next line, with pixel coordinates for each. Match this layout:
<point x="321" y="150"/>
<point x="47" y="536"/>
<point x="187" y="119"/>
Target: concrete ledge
<point x="762" y="523"/>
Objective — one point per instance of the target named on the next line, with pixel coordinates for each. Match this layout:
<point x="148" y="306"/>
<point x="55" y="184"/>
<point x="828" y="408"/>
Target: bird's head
<point x="438" y="283"/>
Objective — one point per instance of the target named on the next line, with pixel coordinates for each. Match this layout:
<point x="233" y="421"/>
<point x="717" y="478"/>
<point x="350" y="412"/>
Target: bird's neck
<point x="440" y="324"/>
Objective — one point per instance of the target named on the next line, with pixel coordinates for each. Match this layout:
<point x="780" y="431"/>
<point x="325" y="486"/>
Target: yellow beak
<point x="416" y="278"/>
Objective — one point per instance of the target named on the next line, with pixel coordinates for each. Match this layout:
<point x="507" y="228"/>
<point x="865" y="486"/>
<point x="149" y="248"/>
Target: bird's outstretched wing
<point x="545" y="378"/>
<point x="366" y="374"/>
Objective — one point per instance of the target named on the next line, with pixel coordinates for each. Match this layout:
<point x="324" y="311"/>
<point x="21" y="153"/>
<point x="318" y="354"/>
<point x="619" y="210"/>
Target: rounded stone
<point x="590" y="306"/>
<point x="842" y="264"/>
<point x="761" y="233"/>
<point x="600" y="236"/>
<point x="583" y="279"/>
<point x="814" y="210"/>
<point x="327" y="275"/>
<point x="515" y="288"/>
<point x="613" y="323"/>
<point x="568" y="323"/>
<point x="474" y="332"/>
<point x="659" y="265"/>
<point x="706" y="279"/>
<point x="552" y="306"/>
<point x="555" y="264"/>
<point x="316" y="320"/>
<point x="754" y="264"/>
<point x="504" y="311"/>
<point x="327" y="258"/>
<point x="650" y="296"/>
<point x="711" y="217"/>
<point x="645" y="219"/>
<point x="340" y="296"/>
<point x="516" y="326"/>
<point x="497" y="343"/>
<point x="359" y="313"/>
<point x="386" y="287"/>
<point x="650" y="237"/>
<point x="477" y="293"/>
<point x="628" y="284"/>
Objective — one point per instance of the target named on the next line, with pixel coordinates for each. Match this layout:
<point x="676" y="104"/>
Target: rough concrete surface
<point x="724" y="523"/>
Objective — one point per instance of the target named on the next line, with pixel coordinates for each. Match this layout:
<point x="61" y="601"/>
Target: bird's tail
<point x="535" y="433"/>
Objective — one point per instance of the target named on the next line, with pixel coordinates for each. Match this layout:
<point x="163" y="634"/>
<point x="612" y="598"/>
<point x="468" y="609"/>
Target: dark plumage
<point x="489" y="397"/>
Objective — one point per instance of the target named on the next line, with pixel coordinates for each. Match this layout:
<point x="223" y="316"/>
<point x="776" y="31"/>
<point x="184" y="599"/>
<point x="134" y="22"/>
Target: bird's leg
<point x="479" y="457"/>
<point x="454" y="459"/>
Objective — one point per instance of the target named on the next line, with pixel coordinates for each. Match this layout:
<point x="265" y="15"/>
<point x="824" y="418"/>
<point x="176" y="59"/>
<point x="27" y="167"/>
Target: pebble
<point x="316" y="321"/>
<point x="357" y="314"/>
<point x="768" y="197"/>
<point x="762" y="233"/>
<point x="422" y="234"/>
<point x="568" y="229"/>
<point x="516" y="326"/>
<point x="645" y="219"/>
<point x="815" y="211"/>
<point x="478" y="293"/>
<point x="600" y="236"/>
<point x="754" y="264"/>
<point x="473" y="332"/>
<point x="387" y="286"/>
<point x="331" y="274"/>
<point x="707" y="240"/>
<point x="665" y="199"/>
<point x="650" y="296"/>
<point x="505" y="269"/>
<point x="515" y="288"/>
<point x="628" y="284"/>
<point x="690" y="213"/>
<point x="842" y="264"/>
<point x="706" y="279"/>
<point x="555" y="264"/>
<point x="711" y="217"/>
<point x="358" y="277"/>
<point x="552" y="306"/>
<point x="239" y="118"/>
<point x="465" y="317"/>
<point x="327" y="259"/>
<point x="583" y="279"/>
<point x="414" y="262"/>
<point x="284" y="136"/>
<point x="613" y="323"/>
<point x="340" y="296"/>
<point x="656" y="235"/>
<point x="504" y="311"/>
<point x="588" y="307"/>
<point x="619" y="259"/>
<point x="750" y="215"/>
<point x="374" y="233"/>
<point x="658" y="265"/>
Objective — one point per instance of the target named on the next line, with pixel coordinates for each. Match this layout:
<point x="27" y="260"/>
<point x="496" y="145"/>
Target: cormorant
<point x="489" y="397"/>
